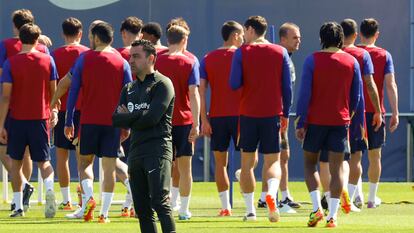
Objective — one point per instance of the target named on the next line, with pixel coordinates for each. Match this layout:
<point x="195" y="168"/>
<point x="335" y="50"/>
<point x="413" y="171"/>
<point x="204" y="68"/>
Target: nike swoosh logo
<point x="81" y="4"/>
<point x="151" y="171"/>
<point x="130" y="92"/>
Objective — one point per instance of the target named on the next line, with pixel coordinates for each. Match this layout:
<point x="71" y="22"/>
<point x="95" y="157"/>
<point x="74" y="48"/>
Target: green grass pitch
<point x="396" y="214"/>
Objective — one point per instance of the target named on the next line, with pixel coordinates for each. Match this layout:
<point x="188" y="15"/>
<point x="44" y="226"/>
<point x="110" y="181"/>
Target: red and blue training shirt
<point x="262" y="70"/>
<point x="30" y="75"/>
<point x="101" y="74"/>
<point x="215" y="68"/>
<point x="183" y="72"/>
<point x="12" y="46"/>
<point x="383" y="64"/>
<point x="65" y="58"/>
<point x="330" y="90"/>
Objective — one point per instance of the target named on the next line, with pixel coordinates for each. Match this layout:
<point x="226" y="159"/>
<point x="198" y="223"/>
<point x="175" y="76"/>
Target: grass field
<point x="396" y="214"/>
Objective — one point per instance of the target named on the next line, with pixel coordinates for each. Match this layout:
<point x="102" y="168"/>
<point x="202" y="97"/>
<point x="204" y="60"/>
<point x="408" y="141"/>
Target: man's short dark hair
<point x="21" y="17"/>
<point x="71" y="26"/>
<point x="176" y="34"/>
<point x="369" y="27"/>
<point x="228" y="28"/>
<point x="147" y="46"/>
<point x="153" y="28"/>
<point x="283" y="30"/>
<point x="331" y="35"/>
<point x="179" y="21"/>
<point x="349" y="26"/>
<point x="132" y="24"/>
<point x="258" y="23"/>
<point x="104" y="32"/>
<point x="29" y="33"/>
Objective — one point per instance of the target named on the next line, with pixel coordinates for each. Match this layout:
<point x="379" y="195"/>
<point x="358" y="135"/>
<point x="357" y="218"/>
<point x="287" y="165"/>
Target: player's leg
<point x="109" y="144"/>
<point x="325" y="178"/>
<point x="355" y="173"/>
<point x="175" y="173"/>
<point x="121" y="170"/>
<point x="220" y="140"/>
<point x="249" y="138"/>
<point x="185" y="151"/>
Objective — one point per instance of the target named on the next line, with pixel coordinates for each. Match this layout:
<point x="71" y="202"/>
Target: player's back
<point x="102" y="78"/>
<point x="65" y="58"/>
<point x="178" y="68"/>
<point x="333" y="74"/>
<point x="13" y="46"/>
<point x="31" y="75"/>
<point x="217" y="67"/>
<point x="379" y="58"/>
<point x="262" y="80"/>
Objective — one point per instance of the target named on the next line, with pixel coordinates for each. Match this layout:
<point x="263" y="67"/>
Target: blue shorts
<point x="329" y="138"/>
<point x="31" y="133"/>
<point x="60" y="140"/>
<point x="375" y="139"/>
<point x="224" y="129"/>
<point x="324" y="156"/>
<point x="181" y="145"/>
<point x="358" y="145"/>
<point x="263" y="132"/>
<point x="99" y="140"/>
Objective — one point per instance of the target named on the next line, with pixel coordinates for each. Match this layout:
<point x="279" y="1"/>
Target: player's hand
<point x="194" y="133"/>
<point x="300" y="134"/>
<point x="377" y="121"/>
<point x="394" y="121"/>
<point x="69" y="132"/>
<point x="206" y="128"/>
<point x="45" y="40"/>
<point x="122" y="109"/>
<point x="53" y="120"/>
<point x="124" y="134"/>
<point x="3" y="135"/>
<point x="284" y="124"/>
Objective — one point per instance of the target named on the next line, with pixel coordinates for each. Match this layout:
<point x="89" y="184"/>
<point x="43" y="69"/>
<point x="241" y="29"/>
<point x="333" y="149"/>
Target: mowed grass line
<point x="389" y="217"/>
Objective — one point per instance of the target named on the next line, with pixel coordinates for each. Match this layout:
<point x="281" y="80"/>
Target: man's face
<point x="138" y="60"/>
<point x="248" y="34"/>
<point x="292" y="40"/>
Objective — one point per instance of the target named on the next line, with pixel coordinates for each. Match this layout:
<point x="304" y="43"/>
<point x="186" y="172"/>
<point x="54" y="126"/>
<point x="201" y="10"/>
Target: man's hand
<point x="45" y="40"/>
<point x="377" y="121"/>
<point x="300" y="134"/>
<point x="394" y="121"/>
<point x="193" y="134"/>
<point x="69" y="132"/>
<point x="53" y="120"/>
<point x="122" y="109"/>
<point x="124" y="134"/>
<point x="284" y="124"/>
<point x="3" y="135"/>
<point x="206" y="128"/>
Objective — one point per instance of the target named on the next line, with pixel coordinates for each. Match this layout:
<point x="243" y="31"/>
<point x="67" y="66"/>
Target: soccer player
<point x="152" y="31"/>
<point x="175" y="194"/>
<point x="8" y="48"/>
<point x="324" y="114"/>
<point x="383" y="76"/>
<point x="101" y="73"/>
<point x="184" y="73"/>
<point x="130" y="31"/>
<point x="65" y="57"/>
<point x="261" y="69"/>
<point x="29" y="114"/>
<point x="149" y="114"/>
<point x="221" y="124"/>
<point x="289" y="36"/>
<point x="358" y="147"/>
